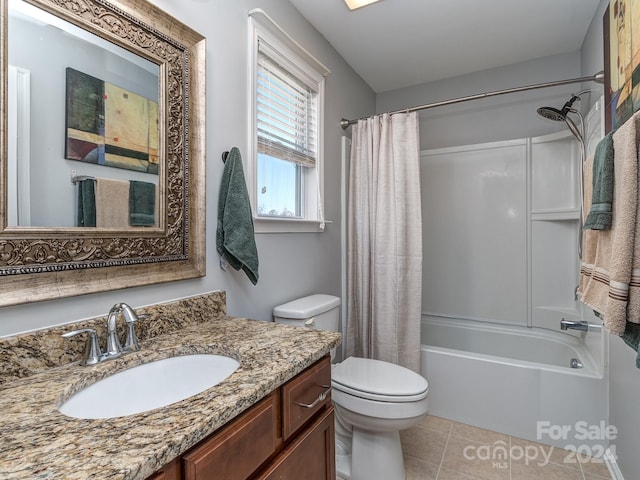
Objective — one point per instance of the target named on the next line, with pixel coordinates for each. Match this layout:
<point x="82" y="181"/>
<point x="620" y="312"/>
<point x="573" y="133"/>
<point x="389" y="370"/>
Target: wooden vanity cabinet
<point x="310" y="456"/>
<point x="171" y="471"/>
<point x="287" y="435"/>
<point x="239" y="449"/>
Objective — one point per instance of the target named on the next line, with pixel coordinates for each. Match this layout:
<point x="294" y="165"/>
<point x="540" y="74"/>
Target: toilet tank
<point x="316" y="311"/>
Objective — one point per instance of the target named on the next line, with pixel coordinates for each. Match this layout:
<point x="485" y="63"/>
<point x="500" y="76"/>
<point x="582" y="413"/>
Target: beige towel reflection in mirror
<point x="112" y="203"/>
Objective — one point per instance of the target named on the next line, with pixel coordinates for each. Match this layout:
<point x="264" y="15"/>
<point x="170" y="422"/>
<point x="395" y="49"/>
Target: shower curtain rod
<point x="598" y="78"/>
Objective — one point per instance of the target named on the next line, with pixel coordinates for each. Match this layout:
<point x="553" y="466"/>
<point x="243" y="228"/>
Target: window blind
<point x="286" y="113"/>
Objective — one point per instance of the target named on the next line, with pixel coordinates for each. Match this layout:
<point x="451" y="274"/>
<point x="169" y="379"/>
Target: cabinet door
<point x="239" y="448"/>
<point x="311" y="456"/>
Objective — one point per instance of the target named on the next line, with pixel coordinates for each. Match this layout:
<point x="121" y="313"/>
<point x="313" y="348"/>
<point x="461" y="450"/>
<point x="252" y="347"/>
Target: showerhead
<point x="562" y="115"/>
<point x="551" y="113"/>
<point x="556" y="115"/>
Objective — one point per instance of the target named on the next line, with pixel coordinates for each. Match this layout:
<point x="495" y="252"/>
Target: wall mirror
<point x="101" y="148"/>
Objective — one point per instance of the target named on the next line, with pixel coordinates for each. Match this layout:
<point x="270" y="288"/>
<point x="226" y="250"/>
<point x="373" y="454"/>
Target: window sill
<point x="284" y="225"/>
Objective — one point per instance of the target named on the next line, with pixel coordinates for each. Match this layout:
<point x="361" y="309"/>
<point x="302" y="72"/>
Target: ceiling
<point x="400" y="43"/>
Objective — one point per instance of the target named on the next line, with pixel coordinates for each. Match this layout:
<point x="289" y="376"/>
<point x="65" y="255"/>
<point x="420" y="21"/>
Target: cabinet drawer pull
<point x="321" y="398"/>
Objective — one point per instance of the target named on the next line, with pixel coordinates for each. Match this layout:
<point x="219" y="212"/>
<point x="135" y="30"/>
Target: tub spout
<point x="574" y="325"/>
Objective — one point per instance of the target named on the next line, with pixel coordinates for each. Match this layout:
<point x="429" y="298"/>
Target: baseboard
<point x="612" y="465"/>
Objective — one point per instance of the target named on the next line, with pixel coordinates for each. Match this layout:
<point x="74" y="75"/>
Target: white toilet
<point x="373" y="399"/>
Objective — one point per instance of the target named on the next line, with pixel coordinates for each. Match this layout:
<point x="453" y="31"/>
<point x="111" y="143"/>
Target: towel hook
<point x="225" y="154"/>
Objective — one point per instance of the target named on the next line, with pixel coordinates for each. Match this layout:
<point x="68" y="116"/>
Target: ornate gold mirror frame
<point x="38" y="263"/>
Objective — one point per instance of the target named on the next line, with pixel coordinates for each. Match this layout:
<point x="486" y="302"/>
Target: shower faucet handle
<point x="582" y="325"/>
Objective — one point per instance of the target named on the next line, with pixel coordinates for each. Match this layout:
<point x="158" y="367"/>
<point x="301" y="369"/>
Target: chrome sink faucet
<point x="113" y="348"/>
<point x="130" y="319"/>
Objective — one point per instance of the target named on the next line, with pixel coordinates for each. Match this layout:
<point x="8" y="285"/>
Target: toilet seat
<point x="379" y="398"/>
<point x="373" y="400"/>
<point x="379" y="381"/>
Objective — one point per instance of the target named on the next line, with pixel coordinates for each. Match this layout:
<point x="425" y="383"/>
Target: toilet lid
<point x="377" y="379"/>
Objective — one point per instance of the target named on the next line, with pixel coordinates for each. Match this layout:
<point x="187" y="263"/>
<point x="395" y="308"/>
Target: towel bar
<point x="75" y="178"/>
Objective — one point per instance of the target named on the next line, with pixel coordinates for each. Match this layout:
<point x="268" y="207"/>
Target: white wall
<point x="468" y="195"/>
<point x="290" y="265"/>
<point x="624" y="377"/>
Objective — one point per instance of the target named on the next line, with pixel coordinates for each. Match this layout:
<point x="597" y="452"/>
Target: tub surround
<point x="40" y="371"/>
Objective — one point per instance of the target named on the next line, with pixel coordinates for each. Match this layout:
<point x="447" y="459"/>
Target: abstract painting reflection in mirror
<point x="109" y="125"/>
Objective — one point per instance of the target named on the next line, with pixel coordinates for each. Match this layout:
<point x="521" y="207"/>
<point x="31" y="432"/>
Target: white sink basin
<point x="149" y="386"/>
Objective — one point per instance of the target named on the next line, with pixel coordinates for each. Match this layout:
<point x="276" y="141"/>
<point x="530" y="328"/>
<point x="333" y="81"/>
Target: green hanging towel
<point x="142" y="203"/>
<point x="235" y="238"/>
<point x="600" y="213"/>
<point x="87" y="203"/>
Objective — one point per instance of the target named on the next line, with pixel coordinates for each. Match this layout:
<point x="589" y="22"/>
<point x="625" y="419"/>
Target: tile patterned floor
<point x="440" y="449"/>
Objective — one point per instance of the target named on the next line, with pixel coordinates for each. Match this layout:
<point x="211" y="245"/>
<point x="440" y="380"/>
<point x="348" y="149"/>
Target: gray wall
<point x="624" y="377"/>
<point x="291" y="265"/>
<point x="503" y="117"/>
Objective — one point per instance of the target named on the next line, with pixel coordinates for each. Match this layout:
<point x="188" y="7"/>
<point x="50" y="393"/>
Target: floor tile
<point x="436" y="423"/>
<point x="484" y="460"/>
<point x="542" y="453"/>
<point x="476" y="434"/>
<point x="424" y="443"/>
<point x="595" y="467"/>
<point x="532" y="471"/>
<point x="419" y="470"/>
<point x="588" y="476"/>
<point x="441" y="449"/>
<point x="446" y="474"/>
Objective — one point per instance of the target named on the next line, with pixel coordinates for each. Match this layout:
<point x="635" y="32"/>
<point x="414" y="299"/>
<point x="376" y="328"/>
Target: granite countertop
<point x="39" y="442"/>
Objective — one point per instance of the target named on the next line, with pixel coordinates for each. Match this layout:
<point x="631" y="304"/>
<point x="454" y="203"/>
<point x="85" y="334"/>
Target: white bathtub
<point x="515" y="380"/>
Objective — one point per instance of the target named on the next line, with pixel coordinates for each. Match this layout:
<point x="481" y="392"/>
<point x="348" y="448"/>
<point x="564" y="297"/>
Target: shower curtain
<point x="385" y="241"/>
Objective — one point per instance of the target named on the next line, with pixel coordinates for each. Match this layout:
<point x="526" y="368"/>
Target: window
<point x="285" y="171"/>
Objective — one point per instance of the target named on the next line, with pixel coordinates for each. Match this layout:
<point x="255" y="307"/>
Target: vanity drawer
<point x="305" y="395"/>
<point x="237" y="450"/>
